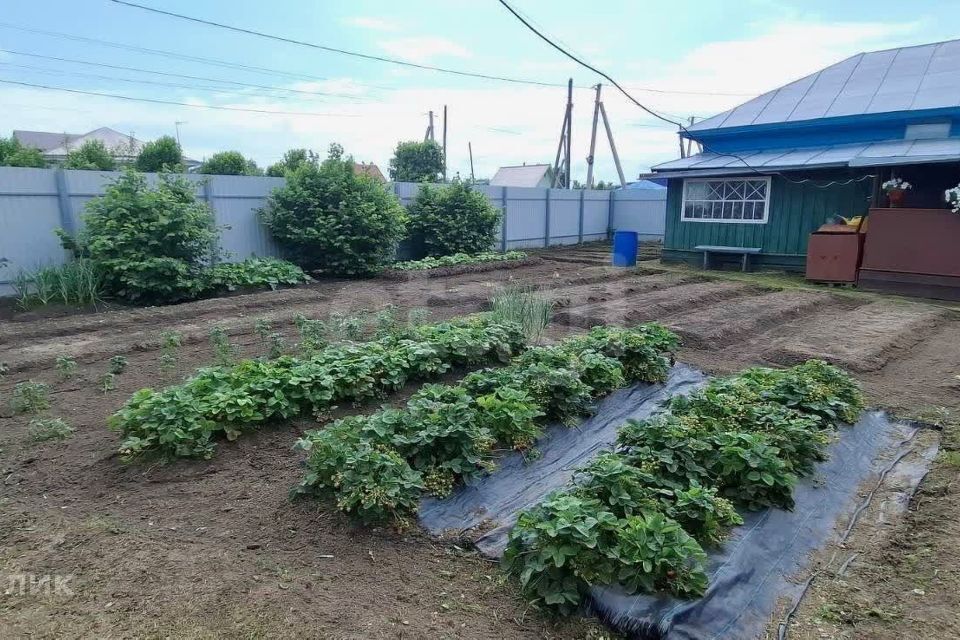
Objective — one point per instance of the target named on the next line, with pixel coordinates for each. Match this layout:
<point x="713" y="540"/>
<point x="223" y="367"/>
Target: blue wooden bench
<point x="746" y="252"/>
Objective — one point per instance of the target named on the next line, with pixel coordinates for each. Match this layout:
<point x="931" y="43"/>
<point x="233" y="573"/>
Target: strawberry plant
<point x="66" y="367"/>
<point x="30" y="397"/>
<point x="118" y="364"/>
<point x="43" y="429"/>
<point x="456" y="259"/>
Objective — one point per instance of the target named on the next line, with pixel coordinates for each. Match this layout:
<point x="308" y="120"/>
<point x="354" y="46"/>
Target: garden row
<point x="185" y="420"/>
<point x="639" y="516"/>
<point x="377" y="466"/>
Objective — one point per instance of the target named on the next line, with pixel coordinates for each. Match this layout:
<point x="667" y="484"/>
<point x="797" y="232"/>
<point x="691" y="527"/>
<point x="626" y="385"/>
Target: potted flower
<point x="952" y="196"/>
<point x="896" y="188"/>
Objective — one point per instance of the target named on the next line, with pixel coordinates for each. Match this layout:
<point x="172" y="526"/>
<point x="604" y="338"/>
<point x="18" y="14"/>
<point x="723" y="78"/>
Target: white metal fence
<point x="35" y="202"/>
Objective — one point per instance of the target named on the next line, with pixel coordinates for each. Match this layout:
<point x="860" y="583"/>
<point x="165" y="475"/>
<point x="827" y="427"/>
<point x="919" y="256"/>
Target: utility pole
<point x="613" y="147"/>
<point x="177" y="125"/>
<point x="593" y="138"/>
<point x="561" y="168"/>
<point x="429" y="134"/>
<point x="444" y="143"/>
<point x="473" y="179"/>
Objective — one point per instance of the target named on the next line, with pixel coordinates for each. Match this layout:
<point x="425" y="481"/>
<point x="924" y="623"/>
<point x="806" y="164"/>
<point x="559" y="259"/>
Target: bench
<point x="746" y="252"/>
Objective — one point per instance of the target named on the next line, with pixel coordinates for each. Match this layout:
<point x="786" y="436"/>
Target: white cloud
<point x="371" y="23"/>
<point x="423" y="49"/>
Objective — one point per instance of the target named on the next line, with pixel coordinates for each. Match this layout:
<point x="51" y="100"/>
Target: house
<point x="777" y="167"/>
<point x="55" y="146"/>
<point x="525" y="175"/>
<point x="371" y="170"/>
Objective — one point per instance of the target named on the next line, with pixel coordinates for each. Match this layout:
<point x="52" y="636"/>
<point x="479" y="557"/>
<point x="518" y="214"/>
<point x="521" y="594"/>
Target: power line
<point x="182" y="104"/>
<point x="660" y="117"/>
<point x="177" y="75"/>
<point x="313" y="45"/>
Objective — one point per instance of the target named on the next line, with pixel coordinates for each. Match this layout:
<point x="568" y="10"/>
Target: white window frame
<point x="766" y="202"/>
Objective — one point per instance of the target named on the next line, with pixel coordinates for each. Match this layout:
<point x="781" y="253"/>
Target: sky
<point x="682" y="58"/>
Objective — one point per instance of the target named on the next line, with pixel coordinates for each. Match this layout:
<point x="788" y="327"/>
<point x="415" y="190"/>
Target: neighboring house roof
<point x="43" y="140"/>
<point x="527" y="175"/>
<point x="651" y="185"/>
<point x="110" y="138"/>
<point x="371" y="170"/>
<point x="905" y="79"/>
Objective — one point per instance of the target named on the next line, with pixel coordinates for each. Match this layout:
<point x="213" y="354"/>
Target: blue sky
<point x="703" y="56"/>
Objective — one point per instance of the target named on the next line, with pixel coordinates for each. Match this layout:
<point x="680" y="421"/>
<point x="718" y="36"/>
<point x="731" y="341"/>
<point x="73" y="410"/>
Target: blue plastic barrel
<point x="624" y="248"/>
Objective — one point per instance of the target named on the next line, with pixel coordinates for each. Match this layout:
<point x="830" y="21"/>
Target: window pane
<point x="727" y="210"/>
<point x="737" y="210"/>
<point x="715" y="191"/>
<point x="758" y="210"/>
<point x="695" y="190"/>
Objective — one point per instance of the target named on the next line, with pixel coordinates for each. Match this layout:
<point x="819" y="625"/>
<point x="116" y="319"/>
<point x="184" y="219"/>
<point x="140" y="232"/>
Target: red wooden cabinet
<point x="834" y="257"/>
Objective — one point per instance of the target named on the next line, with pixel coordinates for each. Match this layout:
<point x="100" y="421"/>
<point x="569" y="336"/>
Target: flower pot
<point x="896" y="197"/>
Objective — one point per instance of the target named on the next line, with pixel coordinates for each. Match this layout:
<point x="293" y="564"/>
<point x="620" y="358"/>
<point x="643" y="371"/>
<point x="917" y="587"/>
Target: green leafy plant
<point x="118" y="364"/>
<point x="453" y="219"/>
<point x="148" y="243"/>
<point x="75" y="283"/>
<point x="229" y="163"/>
<point x="66" y="367"/>
<point x="14" y="154"/>
<point x="457" y="259"/>
<point x="529" y="308"/>
<point x="162" y="154"/>
<point x="43" y="429"/>
<point x="108" y="382"/>
<point x="329" y="218"/>
<point x="277" y="345"/>
<point x="92" y="155"/>
<point x="170" y="342"/>
<point x="269" y="273"/>
<point x="417" y="162"/>
<point x="291" y="161"/>
<point x="313" y="333"/>
<point x="224" y="352"/>
<point x="30" y="397"/>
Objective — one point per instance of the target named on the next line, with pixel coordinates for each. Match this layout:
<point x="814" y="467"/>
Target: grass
<point x="529" y="308"/>
<point x="76" y="283"/>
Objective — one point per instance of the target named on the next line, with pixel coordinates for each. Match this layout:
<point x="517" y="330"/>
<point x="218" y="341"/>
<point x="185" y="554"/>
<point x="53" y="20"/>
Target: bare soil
<point x="216" y="549"/>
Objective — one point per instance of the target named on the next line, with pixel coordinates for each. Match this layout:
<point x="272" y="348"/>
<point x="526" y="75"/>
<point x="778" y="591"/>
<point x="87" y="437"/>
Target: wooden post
<point x="503" y="206"/>
<point x="470" y="149"/>
<point x="63" y="198"/>
<point x="546" y="223"/>
<point x="580" y="221"/>
<point x="444" y="143"/>
<point x="593" y="138"/>
<point x="613" y="147"/>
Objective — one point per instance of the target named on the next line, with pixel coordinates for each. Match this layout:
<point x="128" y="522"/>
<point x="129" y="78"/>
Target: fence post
<point x="503" y="232"/>
<point x="206" y="192"/>
<point x="546" y="223"/>
<point x="580" y="221"/>
<point x="66" y="206"/>
<point x="610" y="209"/>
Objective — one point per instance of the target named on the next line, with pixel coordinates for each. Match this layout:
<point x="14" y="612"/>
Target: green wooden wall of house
<point x="796" y="210"/>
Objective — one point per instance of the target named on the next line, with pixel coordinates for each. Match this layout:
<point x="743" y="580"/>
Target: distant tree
<point x="14" y="154"/>
<point x="417" y="162"/>
<point x="292" y="160"/>
<point x="600" y="184"/>
<point x="229" y="163"/>
<point x="92" y="155"/>
<point x="162" y="154"/>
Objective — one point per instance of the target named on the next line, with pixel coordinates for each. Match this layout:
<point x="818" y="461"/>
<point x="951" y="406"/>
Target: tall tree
<point x="292" y="160"/>
<point x="417" y="162"/>
<point x="162" y="154"/>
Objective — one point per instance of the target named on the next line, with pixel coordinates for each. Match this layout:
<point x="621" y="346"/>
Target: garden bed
<point x="457" y="269"/>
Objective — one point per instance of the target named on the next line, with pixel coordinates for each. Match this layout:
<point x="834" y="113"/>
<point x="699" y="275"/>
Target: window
<point x="726" y="200"/>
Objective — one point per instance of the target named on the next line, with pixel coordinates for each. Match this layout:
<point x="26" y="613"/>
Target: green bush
<point x="417" y="162"/>
<point x="148" y="244"/>
<point x="92" y="155"/>
<point x="14" y="154"/>
<point x="162" y="154"/>
<point x="254" y="272"/>
<point x="229" y="163"/>
<point x="326" y="217"/>
<point x="456" y="259"/>
<point x="453" y="219"/>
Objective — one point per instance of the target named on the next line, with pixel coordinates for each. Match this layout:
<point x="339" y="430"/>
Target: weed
<point x="223" y="351"/>
<point x="118" y="364"/>
<point x="456" y="259"/>
<point x="346" y="327"/>
<point x="170" y="341"/>
<point x="77" y="282"/>
<point x="278" y="345"/>
<point x="66" y="367"/>
<point x="417" y="316"/>
<point x="4" y="369"/>
<point x="30" y="397"/>
<point x="43" y="429"/>
<point x="385" y="321"/>
<point x="312" y="333"/>
<point x="263" y="328"/>
<point x="531" y="309"/>
<point x="107" y="382"/>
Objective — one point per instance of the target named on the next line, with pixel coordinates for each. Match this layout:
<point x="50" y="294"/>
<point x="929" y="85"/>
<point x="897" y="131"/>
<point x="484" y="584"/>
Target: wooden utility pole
<point x="470" y="149"/>
<point x="689" y="140"/>
<point x="429" y="134"/>
<point x="613" y="147"/>
<point x="561" y="164"/>
<point x="593" y="138"/>
<point x="444" y="143"/>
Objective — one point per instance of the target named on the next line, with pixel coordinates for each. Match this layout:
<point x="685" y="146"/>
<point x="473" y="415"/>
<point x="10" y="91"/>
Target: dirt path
<point x="215" y="549"/>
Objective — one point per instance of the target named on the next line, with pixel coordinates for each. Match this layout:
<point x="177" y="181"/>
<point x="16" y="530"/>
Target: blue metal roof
<point x="907" y="79"/>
